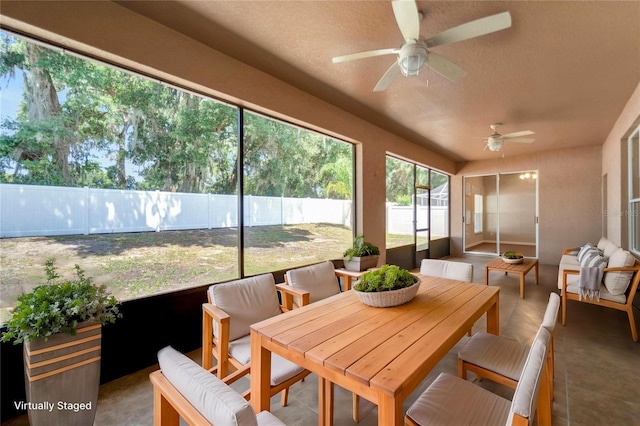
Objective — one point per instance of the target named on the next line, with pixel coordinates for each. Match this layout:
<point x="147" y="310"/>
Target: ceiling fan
<point x="495" y="141"/>
<point x="414" y="53"/>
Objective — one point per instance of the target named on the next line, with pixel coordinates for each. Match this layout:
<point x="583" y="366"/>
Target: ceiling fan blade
<point x="407" y="17"/>
<point x="445" y="67"/>
<point x="518" y="134"/>
<point x="522" y="140"/>
<point x="472" y="29"/>
<point x="362" y="55"/>
<point x="387" y="77"/>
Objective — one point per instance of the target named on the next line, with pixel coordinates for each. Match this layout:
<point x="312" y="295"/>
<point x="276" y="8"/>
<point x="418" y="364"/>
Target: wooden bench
<point x="626" y="305"/>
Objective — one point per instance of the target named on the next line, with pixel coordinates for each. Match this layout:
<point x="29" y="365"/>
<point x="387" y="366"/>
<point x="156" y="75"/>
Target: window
<point x="634" y="191"/>
<point x="138" y="182"/>
<point x="477" y="213"/>
<point x="298" y="195"/>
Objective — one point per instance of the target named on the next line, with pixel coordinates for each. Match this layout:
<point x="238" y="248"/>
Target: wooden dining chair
<point x="450" y="400"/>
<point x="226" y="321"/>
<point x="501" y="359"/>
<point x="320" y="281"/>
<point x="183" y="389"/>
<point x="447" y="269"/>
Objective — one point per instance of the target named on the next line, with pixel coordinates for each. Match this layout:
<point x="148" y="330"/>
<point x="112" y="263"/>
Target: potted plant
<point x="361" y="256"/>
<point x="387" y="286"/>
<point x="60" y="324"/>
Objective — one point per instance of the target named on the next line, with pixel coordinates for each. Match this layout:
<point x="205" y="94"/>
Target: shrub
<point x="389" y="277"/>
<point x="59" y="307"/>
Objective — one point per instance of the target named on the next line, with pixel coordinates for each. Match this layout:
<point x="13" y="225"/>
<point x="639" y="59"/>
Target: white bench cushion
<point x="246" y="301"/>
<point x="216" y="401"/>
<point x="617" y="282"/>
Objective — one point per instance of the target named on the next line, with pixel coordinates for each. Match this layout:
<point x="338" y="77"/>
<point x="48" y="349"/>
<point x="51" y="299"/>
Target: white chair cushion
<point x="618" y="282"/>
<point x="602" y="243"/>
<point x="319" y="280"/>
<point x="265" y="418"/>
<point x="447" y="269"/>
<point x="246" y="301"/>
<point x="567" y="262"/>
<point x="281" y="369"/>
<point x="551" y="314"/>
<point x="216" y="401"/>
<point x="450" y="400"/>
<point x="526" y="393"/>
<point x="496" y="353"/>
<point x="609" y="249"/>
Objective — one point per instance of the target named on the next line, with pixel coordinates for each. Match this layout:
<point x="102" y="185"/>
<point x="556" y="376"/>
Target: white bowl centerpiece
<point x="512" y="257"/>
<point x="387" y="286"/>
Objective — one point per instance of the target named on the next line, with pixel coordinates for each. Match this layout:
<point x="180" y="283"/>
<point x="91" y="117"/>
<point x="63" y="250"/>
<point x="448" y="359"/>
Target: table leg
<point x="325" y="402"/>
<point x="347" y="283"/>
<point x="486" y="275"/>
<point x="389" y="410"/>
<point x="536" y="272"/>
<point x="260" y="375"/>
<point x="522" y="285"/>
<point x="493" y="317"/>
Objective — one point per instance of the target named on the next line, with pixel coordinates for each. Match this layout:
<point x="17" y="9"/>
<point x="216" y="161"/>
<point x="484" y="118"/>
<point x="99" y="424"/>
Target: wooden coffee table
<point x="514" y="268"/>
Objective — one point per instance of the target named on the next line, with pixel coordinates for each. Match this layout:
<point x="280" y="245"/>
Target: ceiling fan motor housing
<point x="412" y="57"/>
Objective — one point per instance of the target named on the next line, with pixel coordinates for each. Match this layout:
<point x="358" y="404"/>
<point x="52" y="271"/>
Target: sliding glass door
<point x="501" y="213"/>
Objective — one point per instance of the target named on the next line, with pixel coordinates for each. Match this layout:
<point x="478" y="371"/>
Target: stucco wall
<point x="569" y="194"/>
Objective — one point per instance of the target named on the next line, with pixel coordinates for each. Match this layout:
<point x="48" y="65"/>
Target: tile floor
<point x="597" y="373"/>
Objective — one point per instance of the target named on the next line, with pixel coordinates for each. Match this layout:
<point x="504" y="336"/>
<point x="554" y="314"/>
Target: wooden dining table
<point x="380" y="354"/>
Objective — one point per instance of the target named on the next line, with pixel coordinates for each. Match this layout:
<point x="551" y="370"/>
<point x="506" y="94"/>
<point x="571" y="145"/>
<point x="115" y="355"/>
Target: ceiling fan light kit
<point x="414" y="54"/>
<point x="412" y="58"/>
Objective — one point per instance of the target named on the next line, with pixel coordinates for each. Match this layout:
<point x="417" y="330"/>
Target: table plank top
<point x="382" y="347"/>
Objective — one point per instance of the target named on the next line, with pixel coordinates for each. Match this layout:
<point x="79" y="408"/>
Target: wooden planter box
<point x="62" y="377"/>
<point x="361" y="263"/>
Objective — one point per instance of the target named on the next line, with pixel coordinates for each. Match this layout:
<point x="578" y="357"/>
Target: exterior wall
<point x="569" y="191"/>
<point x="108" y="31"/>
<point x="614" y="165"/>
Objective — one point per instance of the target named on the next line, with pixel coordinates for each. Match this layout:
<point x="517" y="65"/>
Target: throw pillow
<point x="617" y="282"/>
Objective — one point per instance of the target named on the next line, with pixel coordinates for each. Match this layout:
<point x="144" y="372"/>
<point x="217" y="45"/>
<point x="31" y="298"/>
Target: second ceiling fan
<point x="414" y="53"/>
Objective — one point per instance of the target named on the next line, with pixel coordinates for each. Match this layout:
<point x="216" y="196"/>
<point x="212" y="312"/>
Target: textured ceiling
<point x="565" y="69"/>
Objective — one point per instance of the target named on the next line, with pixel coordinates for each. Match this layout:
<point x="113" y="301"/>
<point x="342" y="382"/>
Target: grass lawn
<point x="135" y="265"/>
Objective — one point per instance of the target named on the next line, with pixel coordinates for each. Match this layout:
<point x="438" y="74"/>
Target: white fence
<point x="400" y="219"/>
<point x="33" y="210"/>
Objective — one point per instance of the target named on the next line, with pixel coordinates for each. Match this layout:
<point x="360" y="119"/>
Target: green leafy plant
<point x="360" y="248"/>
<point x="512" y="255"/>
<point x="389" y="277"/>
<point x="59" y="307"/>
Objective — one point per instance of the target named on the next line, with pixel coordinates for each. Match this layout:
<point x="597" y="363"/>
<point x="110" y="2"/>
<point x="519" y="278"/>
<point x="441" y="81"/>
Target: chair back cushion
<point x="551" y="314"/>
<point x="526" y="393"/>
<point x="447" y="269"/>
<point x="216" y="401"/>
<point x="246" y="301"/>
<point x="319" y="280"/>
<point x="617" y="282"/>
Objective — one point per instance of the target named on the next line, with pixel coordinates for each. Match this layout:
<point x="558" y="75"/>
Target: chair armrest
<point x="217" y="346"/>
<point x="569" y="250"/>
<point x="288" y="293"/>
<point x="621" y="268"/>
<point x="564" y="278"/>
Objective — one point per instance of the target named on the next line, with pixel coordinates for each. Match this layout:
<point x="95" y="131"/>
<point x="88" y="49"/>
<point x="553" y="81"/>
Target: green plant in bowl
<point x="512" y="255"/>
<point x="387" y="278"/>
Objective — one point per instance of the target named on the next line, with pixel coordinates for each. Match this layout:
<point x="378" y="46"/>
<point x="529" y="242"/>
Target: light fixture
<point x="528" y="175"/>
<point x="412" y="57"/>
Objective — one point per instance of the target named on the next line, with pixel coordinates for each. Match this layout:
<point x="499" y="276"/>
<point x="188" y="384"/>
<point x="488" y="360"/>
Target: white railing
<point x="34" y="210"/>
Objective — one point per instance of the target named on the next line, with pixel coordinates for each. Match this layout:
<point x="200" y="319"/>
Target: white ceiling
<point x="565" y="69"/>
